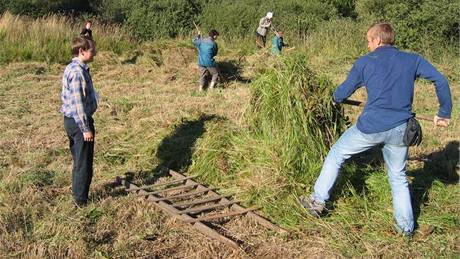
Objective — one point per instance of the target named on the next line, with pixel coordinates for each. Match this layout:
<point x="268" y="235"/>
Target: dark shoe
<point x="314" y="208"/>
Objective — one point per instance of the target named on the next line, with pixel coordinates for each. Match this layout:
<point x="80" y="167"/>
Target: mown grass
<point x="260" y="140"/>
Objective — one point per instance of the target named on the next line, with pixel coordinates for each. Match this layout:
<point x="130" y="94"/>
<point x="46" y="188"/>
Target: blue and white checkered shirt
<point x="79" y="98"/>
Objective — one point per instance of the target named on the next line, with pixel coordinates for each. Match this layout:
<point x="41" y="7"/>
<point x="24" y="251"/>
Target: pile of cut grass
<point x="291" y="105"/>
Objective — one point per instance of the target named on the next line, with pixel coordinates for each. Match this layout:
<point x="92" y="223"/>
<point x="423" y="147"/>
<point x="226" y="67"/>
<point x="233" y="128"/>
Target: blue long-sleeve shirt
<point x="207" y="49"/>
<point x="277" y="45"/>
<point x="388" y="75"/>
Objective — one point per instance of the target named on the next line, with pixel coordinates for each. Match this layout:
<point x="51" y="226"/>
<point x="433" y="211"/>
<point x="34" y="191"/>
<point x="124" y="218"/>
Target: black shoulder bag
<point x="413" y="134"/>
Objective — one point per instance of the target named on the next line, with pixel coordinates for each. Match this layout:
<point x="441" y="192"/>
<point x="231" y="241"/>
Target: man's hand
<point x="441" y="122"/>
<point x="334" y="103"/>
<point x="88" y="136"/>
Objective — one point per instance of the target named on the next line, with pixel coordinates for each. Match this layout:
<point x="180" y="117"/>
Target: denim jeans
<point x="82" y="155"/>
<point x="395" y="153"/>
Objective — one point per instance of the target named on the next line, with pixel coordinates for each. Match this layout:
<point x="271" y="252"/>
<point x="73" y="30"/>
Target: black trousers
<point x="82" y="155"/>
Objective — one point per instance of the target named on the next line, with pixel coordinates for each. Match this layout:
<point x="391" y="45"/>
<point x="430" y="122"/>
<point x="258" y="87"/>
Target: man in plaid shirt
<point x="79" y="102"/>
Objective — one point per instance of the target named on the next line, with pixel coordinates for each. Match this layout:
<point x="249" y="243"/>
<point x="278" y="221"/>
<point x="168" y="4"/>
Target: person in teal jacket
<point x="207" y="50"/>
<point x="278" y="43"/>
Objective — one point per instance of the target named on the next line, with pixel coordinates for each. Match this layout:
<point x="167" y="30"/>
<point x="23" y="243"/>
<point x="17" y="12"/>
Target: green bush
<point x="161" y="18"/>
<point x="240" y="18"/>
<point x="235" y="19"/>
<point x="415" y="22"/>
<point x="112" y="11"/>
<point x="346" y="8"/>
<point x="36" y="8"/>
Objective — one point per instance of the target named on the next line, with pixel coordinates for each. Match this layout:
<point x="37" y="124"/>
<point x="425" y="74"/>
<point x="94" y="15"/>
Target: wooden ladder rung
<point x="172" y="189"/>
<point x="199" y="209"/>
<point x="263" y="221"/>
<point x="222" y="215"/>
<point x="190" y="203"/>
<point x="160" y="184"/>
<point x="182" y="195"/>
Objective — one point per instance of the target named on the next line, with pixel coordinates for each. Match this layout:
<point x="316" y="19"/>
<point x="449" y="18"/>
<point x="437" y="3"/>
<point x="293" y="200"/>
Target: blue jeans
<point x="353" y="141"/>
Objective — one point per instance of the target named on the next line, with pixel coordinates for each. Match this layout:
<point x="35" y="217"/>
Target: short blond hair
<point x="384" y="31"/>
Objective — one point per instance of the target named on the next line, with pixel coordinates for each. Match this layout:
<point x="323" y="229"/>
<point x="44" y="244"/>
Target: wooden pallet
<point x="195" y="204"/>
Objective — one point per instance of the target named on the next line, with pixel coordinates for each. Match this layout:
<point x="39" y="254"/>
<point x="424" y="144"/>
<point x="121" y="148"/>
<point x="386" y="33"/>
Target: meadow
<point x="262" y="134"/>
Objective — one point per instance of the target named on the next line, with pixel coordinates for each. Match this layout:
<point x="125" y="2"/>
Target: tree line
<point x="416" y="21"/>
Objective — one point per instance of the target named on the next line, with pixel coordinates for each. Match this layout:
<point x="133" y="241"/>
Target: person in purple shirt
<point x="388" y="75"/>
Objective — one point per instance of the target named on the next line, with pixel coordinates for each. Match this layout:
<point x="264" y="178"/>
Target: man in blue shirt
<point x="207" y="50"/>
<point x="388" y="75"/>
<point x="79" y="103"/>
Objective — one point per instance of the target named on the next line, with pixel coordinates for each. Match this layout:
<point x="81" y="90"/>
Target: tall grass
<point x="48" y="38"/>
<point x="342" y="39"/>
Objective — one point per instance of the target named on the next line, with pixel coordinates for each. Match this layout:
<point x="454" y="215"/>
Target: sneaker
<point x="313" y="207"/>
<point x="403" y="232"/>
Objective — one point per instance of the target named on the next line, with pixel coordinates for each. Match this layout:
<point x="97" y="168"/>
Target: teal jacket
<point x="207" y="49"/>
<point x="277" y="45"/>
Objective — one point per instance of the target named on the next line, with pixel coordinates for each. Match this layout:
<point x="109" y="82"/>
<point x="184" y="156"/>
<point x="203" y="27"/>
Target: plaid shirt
<point x="79" y="98"/>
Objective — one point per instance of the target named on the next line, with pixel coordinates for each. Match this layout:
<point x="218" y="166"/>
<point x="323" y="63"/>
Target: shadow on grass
<point x="438" y="166"/>
<point x="230" y="70"/>
<point x="175" y="150"/>
<point x="105" y="190"/>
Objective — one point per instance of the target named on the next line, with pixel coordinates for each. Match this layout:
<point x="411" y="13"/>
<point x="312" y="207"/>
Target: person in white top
<point x="261" y="33"/>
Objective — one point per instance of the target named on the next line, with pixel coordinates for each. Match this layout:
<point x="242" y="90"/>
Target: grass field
<point x="151" y="117"/>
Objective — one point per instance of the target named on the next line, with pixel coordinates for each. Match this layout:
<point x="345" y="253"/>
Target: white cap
<point x="269" y="15"/>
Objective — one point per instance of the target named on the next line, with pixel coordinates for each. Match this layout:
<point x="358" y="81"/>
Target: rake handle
<point x="196" y="27"/>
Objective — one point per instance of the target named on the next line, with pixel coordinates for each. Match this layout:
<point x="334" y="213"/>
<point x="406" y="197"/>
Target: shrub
<point x="112" y="11"/>
<point x="161" y="18"/>
<point x="415" y="21"/>
<point x="240" y="18"/>
<point x="44" y="7"/>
